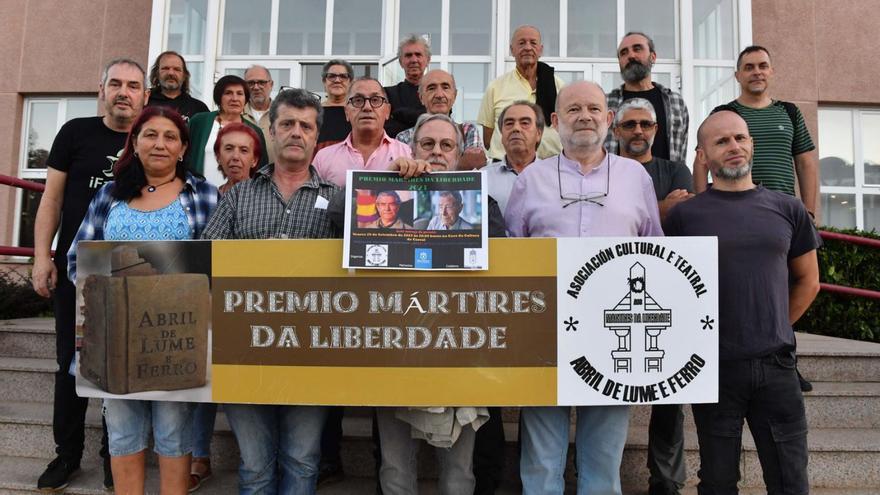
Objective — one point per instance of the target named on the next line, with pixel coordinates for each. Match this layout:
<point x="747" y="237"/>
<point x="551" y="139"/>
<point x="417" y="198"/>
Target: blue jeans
<point x="280" y="447"/>
<point x="203" y="428"/>
<point x="599" y="439"/>
<point x="129" y="423"/>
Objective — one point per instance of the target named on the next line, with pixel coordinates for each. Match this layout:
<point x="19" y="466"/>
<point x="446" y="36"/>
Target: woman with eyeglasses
<point x="337" y="76"/>
<point x="231" y="94"/>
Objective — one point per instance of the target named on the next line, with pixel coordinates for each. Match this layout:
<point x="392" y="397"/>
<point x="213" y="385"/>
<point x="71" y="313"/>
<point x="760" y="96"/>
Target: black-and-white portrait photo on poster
<point x="433" y="222"/>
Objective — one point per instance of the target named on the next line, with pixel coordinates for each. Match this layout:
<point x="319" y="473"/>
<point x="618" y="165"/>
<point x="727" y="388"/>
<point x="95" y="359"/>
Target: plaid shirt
<point x="471" y="134"/>
<point x="254" y="209"/>
<point x="198" y="198"/>
<point x="676" y="121"/>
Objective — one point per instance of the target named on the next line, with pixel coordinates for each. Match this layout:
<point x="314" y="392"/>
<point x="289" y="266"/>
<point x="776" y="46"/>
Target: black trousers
<point x="666" y="449"/>
<point x="766" y="393"/>
<point x="69" y="410"/>
<point x="489" y="447"/>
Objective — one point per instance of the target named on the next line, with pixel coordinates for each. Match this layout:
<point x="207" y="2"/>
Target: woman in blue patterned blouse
<point x="153" y="197"/>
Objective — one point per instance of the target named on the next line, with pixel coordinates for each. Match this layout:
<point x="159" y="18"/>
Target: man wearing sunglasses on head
<point x="635" y="127"/>
<point x="368" y="147"/>
<point x="583" y="192"/>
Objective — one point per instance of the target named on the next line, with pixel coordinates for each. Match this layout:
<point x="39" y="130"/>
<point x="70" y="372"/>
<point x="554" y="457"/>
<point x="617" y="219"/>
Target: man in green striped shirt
<point x="778" y="130"/>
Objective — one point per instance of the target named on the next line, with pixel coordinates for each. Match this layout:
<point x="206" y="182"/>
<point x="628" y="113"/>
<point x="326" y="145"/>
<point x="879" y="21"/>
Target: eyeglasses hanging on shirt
<point x="593" y="197"/>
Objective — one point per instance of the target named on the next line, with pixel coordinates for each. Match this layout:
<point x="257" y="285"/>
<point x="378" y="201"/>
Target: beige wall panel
<point x="62" y="42"/>
<point x="786" y="28"/>
<point x="127" y="30"/>
<point x="12" y="22"/>
<point x="10" y="134"/>
<point x="847" y="67"/>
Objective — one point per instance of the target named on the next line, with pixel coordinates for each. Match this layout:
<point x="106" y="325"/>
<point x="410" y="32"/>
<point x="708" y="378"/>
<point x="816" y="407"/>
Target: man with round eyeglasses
<point x="367" y="147"/>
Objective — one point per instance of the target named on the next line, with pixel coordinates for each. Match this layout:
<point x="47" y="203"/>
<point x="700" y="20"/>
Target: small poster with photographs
<point x="436" y="221"/>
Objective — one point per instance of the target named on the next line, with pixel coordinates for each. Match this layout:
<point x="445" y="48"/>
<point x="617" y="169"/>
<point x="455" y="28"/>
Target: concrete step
<point x="27" y="379"/>
<point x="28" y="337"/>
<point x="839" y="457"/>
<point x="831" y="359"/>
<point x="18" y="476"/>
<point x="829" y="405"/>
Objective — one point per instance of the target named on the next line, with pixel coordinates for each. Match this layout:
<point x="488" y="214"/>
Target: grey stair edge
<point x="29" y="325"/>
<point x="360" y="427"/>
<point x="38" y="365"/>
<point x="813" y="345"/>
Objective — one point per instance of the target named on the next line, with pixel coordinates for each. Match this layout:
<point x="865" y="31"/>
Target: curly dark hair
<point x="154" y="72"/>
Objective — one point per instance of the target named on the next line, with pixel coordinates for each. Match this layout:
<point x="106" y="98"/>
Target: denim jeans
<point x="280" y="447"/>
<point x="399" y="472"/>
<point x="599" y="439"/>
<point x="129" y="423"/>
<point x="203" y="428"/>
<point x="766" y="393"/>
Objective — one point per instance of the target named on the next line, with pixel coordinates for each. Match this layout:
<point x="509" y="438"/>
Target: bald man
<point x="768" y="277"/>
<point x="548" y="199"/>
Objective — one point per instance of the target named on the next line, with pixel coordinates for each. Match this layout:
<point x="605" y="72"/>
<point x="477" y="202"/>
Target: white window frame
<point x="860" y="189"/>
<point x="38" y="173"/>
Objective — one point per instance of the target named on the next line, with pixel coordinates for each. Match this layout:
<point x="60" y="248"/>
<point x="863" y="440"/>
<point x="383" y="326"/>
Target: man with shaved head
<point x="582" y="192"/>
<point x="767" y="278"/>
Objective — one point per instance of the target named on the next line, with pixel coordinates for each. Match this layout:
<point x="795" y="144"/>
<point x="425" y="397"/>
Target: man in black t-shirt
<point x="80" y="162"/>
<point x="169" y="85"/>
<point x="767" y="278"/>
<point x="636" y="56"/>
<point x="414" y="55"/>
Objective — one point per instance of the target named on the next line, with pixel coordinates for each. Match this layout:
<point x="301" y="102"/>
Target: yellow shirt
<point x="503" y="91"/>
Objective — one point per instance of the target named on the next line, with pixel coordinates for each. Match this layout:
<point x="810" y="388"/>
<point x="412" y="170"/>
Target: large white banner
<point x="638" y="320"/>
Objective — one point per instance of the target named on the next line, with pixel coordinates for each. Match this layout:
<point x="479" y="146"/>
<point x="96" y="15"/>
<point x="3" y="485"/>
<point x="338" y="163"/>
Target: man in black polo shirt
<point x="414" y="55"/>
<point x="768" y="277"/>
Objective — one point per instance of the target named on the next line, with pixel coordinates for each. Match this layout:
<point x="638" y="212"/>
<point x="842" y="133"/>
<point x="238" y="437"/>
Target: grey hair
<point x="257" y="66"/>
<point x="121" y="61"/>
<point x="409" y="40"/>
<point x="639" y="33"/>
<point x="422" y="80"/>
<point x="526" y="26"/>
<point x="296" y="98"/>
<point x="455" y="195"/>
<point x="388" y="192"/>
<point x="336" y="61"/>
<point x="428" y="117"/>
<point x="634" y="104"/>
<point x="540" y="123"/>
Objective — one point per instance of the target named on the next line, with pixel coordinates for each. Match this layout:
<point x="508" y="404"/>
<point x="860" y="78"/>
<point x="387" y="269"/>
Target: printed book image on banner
<point x="638" y="320"/>
<point x="436" y="221"/>
<point x="144" y="320"/>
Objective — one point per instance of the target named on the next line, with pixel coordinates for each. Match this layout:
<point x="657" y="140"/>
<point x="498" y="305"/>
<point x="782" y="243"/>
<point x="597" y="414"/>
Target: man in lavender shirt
<point x="582" y="192"/>
<point x="367" y="147"/>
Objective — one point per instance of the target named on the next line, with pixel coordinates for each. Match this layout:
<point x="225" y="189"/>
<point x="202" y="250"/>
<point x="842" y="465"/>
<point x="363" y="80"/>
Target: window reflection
<point x="592" y="28"/>
<point x="422" y="18"/>
<point x="544" y="16"/>
<point x="839" y="210"/>
<point x="657" y="19"/>
<point x="836" y="148"/>
<point x="246" y="27"/>
<point x="871" y="147"/>
<point x="356" y="27"/>
<point x="186" y="26"/>
<point x="301" y="27"/>
<point x="713" y="29"/>
<point x="470" y="24"/>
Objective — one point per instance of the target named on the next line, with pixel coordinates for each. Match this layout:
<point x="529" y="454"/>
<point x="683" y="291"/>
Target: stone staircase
<point x="843" y="413"/>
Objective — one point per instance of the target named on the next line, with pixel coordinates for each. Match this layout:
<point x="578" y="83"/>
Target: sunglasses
<point x="631" y="124"/>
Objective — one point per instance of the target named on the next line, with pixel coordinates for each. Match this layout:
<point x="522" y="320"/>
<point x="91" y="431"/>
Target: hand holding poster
<point x="434" y="221"/>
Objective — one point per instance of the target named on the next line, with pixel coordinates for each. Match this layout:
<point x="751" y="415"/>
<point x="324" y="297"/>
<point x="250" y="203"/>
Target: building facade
<point x="53" y="63"/>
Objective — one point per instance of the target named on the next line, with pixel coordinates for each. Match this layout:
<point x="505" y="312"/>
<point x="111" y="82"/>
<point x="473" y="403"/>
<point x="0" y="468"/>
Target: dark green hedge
<point x="839" y="315"/>
<point x="18" y="299"/>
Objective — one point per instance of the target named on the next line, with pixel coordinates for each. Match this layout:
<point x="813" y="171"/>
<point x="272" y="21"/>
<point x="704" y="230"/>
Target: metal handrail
<point x="22" y="183"/>
<point x="852" y="239"/>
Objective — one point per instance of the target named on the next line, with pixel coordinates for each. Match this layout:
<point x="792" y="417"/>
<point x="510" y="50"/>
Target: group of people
<point x="561" y="161"/>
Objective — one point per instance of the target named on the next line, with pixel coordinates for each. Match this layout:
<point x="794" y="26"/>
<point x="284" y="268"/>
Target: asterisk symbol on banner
<point x="571" y="324"/>
<point x="707" y="322"/>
